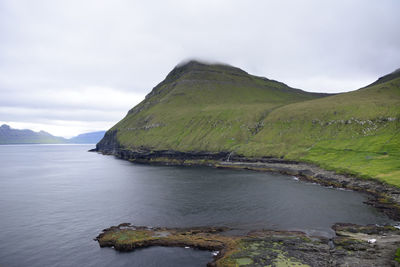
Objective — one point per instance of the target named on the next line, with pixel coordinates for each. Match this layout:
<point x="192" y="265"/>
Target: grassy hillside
<point x="222" y="108"/>
<point x="356" y="132"/>
<point x="204" y="107"/>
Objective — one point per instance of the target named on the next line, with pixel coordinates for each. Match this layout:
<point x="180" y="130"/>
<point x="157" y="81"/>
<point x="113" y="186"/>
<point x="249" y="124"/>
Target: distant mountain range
<point x="87" y="138"/>
<point x="9" y="135"/>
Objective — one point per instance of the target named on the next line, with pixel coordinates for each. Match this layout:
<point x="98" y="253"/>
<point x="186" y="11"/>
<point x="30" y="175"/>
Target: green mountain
<point x="9" y="135"/>
<point x="218" y="108"/>
<point x="203" y="107"/>
<point x="14" y="136"/>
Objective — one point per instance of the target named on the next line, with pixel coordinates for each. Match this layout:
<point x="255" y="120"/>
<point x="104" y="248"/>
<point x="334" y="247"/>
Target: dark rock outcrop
<point x="353" y="245"/>
<point x="109" y="144"/>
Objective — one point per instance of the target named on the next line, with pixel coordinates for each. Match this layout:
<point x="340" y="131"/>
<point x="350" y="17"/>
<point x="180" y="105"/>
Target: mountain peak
<point x="198" y="62"/>
<point x="195" y="65"/>
<point x="44" y="132"/>
<point x="5" y="126"/>
<point x="191" y="62"/>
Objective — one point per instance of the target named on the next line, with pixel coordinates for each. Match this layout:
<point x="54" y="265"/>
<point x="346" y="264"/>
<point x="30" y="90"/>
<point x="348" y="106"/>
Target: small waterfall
<point x="229" y="156"/>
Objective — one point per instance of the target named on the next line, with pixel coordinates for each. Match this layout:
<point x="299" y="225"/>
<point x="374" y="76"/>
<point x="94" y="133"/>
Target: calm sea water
<point x="54" y="199"/>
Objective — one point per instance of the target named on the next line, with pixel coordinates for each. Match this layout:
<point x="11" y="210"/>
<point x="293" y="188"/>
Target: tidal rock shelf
<point x="353" y="245"/>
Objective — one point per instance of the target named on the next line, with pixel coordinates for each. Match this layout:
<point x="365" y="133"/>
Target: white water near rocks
<point x="54" y="199"/>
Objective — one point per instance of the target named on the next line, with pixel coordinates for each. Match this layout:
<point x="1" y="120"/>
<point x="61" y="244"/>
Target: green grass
<point x="397" y="255"/>
<point x="220" y="108"/>
<point x="127" y="236"/>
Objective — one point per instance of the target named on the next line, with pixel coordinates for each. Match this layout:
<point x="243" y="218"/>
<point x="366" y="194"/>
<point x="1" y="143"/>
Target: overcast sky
<point x="69" y="67"/>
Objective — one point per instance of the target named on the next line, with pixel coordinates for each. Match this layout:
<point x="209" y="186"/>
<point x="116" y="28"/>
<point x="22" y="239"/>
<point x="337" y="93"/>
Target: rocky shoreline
<point x="384" y="197"/>
<point x="353" y="245"/>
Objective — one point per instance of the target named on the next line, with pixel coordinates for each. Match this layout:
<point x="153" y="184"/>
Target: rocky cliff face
<point x="109" y="143"/>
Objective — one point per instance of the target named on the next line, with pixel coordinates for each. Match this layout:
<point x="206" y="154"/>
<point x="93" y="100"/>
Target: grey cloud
<point x="129" y="46"/>
<point x="46" y="115"/>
